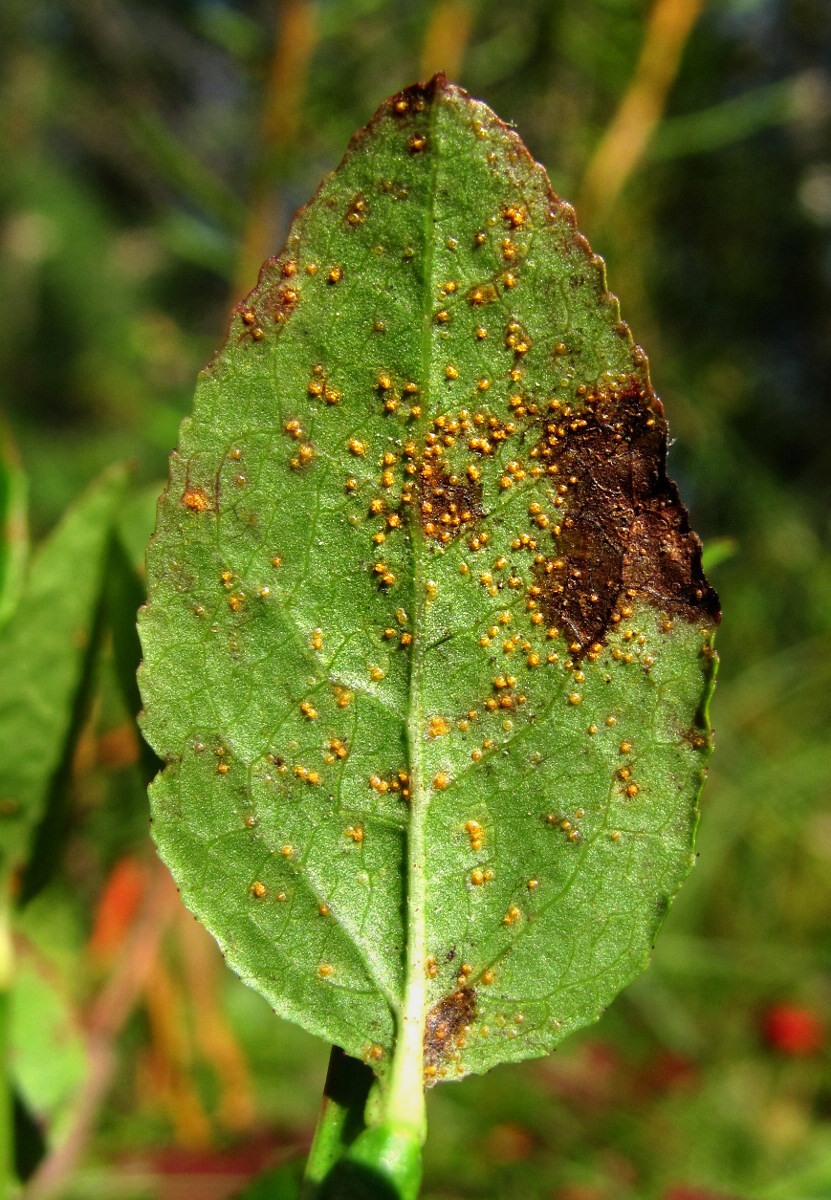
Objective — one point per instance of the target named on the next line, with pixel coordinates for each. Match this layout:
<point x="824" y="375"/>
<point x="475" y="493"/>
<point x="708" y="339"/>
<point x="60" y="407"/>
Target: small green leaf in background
<point x="428" y="648"/>
<point x="49" y="1059"/>
<point x="14" y="534"/>
<point x="44" y="653"/>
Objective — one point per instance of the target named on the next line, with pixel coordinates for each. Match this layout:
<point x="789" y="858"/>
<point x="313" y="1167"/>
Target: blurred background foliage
<point x="152" y="155"/>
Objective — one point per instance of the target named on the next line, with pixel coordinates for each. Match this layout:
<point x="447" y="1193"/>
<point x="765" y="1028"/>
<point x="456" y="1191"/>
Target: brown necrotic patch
<point x="416" y="98"/>
<point x="620" y="529"/>
<point x="447" y="1024"/>
<point x="448" y="504"/>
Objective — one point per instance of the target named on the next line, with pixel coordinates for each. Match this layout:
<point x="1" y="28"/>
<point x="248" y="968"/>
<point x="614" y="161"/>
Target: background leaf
<point x="48" y="1054"/>
<point x="44" y="658"/>
<point x="428" y="643"/>
<point x="14" y="537"/>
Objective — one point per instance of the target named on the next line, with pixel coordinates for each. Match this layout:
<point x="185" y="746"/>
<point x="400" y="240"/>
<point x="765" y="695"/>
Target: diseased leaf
<point x="44" y="653"/>
<point x="428" y="646"/>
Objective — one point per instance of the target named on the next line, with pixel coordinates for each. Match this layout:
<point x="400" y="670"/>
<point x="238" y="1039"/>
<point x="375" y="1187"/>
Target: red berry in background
<point x="793" y="1030"/>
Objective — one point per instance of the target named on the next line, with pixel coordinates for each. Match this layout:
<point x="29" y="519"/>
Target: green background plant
<point x="137" y="199"/>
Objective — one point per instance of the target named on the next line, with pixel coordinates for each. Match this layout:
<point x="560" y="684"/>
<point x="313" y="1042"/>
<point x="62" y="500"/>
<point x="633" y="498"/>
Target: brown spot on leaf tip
<point x="446" y="1023"/>
<point x="417" y="97"/>
<point x="625" y="533"/>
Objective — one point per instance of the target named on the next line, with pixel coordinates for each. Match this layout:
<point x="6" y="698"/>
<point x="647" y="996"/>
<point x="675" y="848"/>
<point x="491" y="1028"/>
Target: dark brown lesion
<point x="621" y="532"/>
<point x="447" y="1025"/>
<point x="448" y="504"/>
<point x="416" y="98"/>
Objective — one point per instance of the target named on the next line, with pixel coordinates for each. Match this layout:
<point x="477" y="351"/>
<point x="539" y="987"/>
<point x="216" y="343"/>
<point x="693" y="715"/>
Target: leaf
<point x="14" y="535"/>
<point x="49" y="1057"/>
<point x="428" y="647"/>
<point x="44" y="660"/>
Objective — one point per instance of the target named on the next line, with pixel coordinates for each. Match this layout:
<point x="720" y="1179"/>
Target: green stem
<point x="383" y="1164"/>
<point x="341" y="1118"/>
<point x="348" y="1161"/>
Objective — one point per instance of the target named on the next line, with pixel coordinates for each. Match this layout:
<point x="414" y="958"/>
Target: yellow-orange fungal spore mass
<point x="196" y="499"/>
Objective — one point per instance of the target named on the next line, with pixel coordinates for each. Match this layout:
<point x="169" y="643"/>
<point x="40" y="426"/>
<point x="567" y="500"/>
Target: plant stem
<point x="341" y="1118"/>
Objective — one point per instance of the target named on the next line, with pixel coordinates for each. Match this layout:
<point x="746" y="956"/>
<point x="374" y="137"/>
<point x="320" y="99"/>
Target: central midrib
<point x="405" y="1099"/>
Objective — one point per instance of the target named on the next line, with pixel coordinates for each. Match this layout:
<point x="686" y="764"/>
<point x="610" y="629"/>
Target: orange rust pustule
<point x="196" y="499"/>
<point x="282" y="302"/>
<point x="273" y="301"/>
<point x="446" y="1023"/>
<point x="625" y="532"/>
<point x="448" y="505"/>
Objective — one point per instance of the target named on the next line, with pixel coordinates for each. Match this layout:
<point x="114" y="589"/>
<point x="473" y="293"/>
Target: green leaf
<point x="429" y="648"/>
<point x="49" y="1057"/>
<point x="44" y="660"/>
<point x="14" y="533"/>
